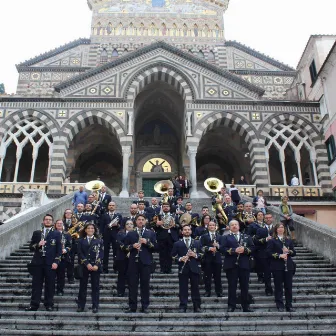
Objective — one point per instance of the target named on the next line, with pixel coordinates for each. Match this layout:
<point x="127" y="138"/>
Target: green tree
<point x="2" y="88"/>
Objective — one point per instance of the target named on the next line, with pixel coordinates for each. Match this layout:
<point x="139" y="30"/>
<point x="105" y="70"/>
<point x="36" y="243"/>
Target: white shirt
<point x="237" y="235"/>
<point x="45" y="231"/>
<point x="185" y="241"/>
<point x="295" y="181"/>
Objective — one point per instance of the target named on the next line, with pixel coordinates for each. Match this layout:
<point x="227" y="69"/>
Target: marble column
<point x="282" y="160"/>
<point x="126" y="153"/>
<point x="192" y="151"/>
<point x="313" y="163"/>
<point x="189" y="124"/>
<point x="298" y="163"/>
<point x="130" y="123"/>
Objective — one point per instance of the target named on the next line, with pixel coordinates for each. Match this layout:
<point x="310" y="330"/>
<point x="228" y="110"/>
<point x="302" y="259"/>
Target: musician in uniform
<point x="263" y="235"/>
<point x="89" y="215"/>
<point x="141" y="196"/>
<point x="132" y="215"/>
<point x="65" y="258"/>
<point x="203" y="228"/>
<point x="187" y="253"/>
<point x="153" y="209"/>
<point x="93" y="199"/>
<point x="167" y="233"/>
<point x="249" y="218"/>
<point x="122" y="258"/>
<point x="212" y="259"/>
<point x="104" y="200"/>
<point x="171" y="199"/>
<point x="237" y="248"/>
<point x="142" y="210"/>
<point x="280" y="250"/>
<point x="90" y="255"/>
<point x="240" y="216"/>
<point x="195" y="218"/>
<point x="111" y="223"/>
<point x="47" y="247"/>
<point x="229" y="208"/>
<point x="221" y="217"/>
<point x="140" y="244"/>
<point x="179" y="208"/>
<point x="67" y="219"/>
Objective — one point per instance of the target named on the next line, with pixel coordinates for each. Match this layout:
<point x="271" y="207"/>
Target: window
<point x="156" y="165"/>
<point x="330" y="143"/>
<point x="103" y="56"/>
<point x="313" y="72"/>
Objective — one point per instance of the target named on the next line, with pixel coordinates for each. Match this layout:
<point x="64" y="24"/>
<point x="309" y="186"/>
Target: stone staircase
<point x="314" y="301"/>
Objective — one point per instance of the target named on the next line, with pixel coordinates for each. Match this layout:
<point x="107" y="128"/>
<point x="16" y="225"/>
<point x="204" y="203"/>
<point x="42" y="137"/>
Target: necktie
<point x="46" y="233"/>
<point x="89" y="240"/>
<point x="212" y="236"/>
<point x="188" y="242"/>
<point x="236" y="236"/>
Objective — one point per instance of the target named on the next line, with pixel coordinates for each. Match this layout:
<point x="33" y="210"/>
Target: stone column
<point x="17" y="165"/>
<point x="32" y="173"/>
<point x="298" y="163"/>
<point x="313" y="163"/>
<point x="192" y="151"/>
<point x="189" y="124"/>
<point x="126" y="153"/>
<point x="282" y="160"/>
<point x="130" y="123"/>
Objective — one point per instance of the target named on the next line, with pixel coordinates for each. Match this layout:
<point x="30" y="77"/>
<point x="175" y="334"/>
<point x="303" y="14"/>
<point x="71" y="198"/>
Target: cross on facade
<point x="4" y="189"/>
<point x="255" y="116"/>
<point x="279" y="192"/>
<point x="311" y="192"/>
<point x="62" y="114"/>
<point x="245" y="191"/>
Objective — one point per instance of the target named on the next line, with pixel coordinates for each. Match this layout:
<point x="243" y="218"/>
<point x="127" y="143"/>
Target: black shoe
<point x="248" y="310"/>
<point x="95" y="310"/>
<point x="197" y="310"/>
<point x="50" y="309"/>
<point x="290" y="310"/>
<point x="59" y="294"/>
<point x="207" y="294"/>
<point x="30" y="308"/>
<point x="230" y="310"/>
<point x="80" y="310"/>
<point x="144" y="310"/>
<point x="281" y="310"/>
<point x="220" y="294"/>
<point x="129" y="311"/>
<point x="182" y="310"/>
<point x="121" y="294"/>
<point x="269" y="293"/>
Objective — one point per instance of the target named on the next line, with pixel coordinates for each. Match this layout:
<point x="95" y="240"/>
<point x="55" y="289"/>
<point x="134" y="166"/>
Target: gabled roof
<point x="324" y="65"/>
<point x="259" y="55"/>
<point x="170" y="48"/>
<point x="54" y="52"/>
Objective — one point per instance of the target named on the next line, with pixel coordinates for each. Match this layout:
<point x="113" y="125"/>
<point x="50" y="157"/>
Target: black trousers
<point x="95" y="280"/>
<point x="138" y="272"/>
<point x="289" y="224"/>
<point x="233" y="275"/>
<point x="60" y="275"/>
<point x="213" y="270"/>
<point x="43" y="275"/>
<point x="122" y="266"/>
<point x="265" y="272"/>
<point x="110" y="238"/>
<point x="184" y="279"/>
<point x="282" y="280"/>
<point x="165" y="248"/>
<point x="71" y="264"/>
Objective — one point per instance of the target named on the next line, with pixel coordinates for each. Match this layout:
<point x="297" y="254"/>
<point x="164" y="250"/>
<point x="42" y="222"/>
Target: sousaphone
<point x="185" y="219"/>
<point x="213" y="184"/>
<point x="95" y="186"/>
<point x="162" y="187"/>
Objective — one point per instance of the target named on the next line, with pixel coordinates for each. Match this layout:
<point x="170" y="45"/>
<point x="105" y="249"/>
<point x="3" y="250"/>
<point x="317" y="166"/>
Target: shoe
<point x="59" y="294"/>
<point x="182" y="310"/>
<point x="71" y="281"/>
<point x="144" y="310"/>
<point x="207" y="294"/>
<point x="269" y="293"/>
<point x="280" y="310"/>
<point x="50" y="309"/>
<point x="248" y="310"/>
<point x="220" y="294"/>
<point x="197" y="310"/>
<point x="129" y="311"/>
<point x="230" y="310"/>
<point x="80" y="310"/>
<point x="95" y="310"/>
<point x="121" y="294"/>
<point x="290" y="310"/>
<point x="30" y="308"/>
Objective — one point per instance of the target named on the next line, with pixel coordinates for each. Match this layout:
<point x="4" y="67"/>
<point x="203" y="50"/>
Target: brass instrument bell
<point x="213" y="184"/>
<point x="162" y="186"/>
<point x="185" y="219"/>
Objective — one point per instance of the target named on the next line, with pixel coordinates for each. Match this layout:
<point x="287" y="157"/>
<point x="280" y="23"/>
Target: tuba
<point x="95" y="186"/>
<point x="185" y="219"/>
<point x="162" y="187"/>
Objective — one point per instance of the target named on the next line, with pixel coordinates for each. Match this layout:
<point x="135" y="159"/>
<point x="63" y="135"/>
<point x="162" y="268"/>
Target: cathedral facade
<point x="158" y="91"/>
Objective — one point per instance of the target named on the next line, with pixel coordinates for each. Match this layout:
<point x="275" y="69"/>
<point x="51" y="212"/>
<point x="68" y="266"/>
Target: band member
<point x="229" y="208"/>
<point x="221" y="217"/>
<point x="205" y="210"/>
<point x="286" y="214"/>
<point x="253" y="230"/>
<point x="240" y="216"/>
<point x="141" y="196"/>
<point x="237" y="248"/>
<point x="171" y="199"/>
<point x="132" y="215"/>
<point x="263" y="235"/>
<point x="212" y="259"/>
<point x="248" y="218"/>
<point x="111" y="223"/>
<point x="187" y="253"/>
<point x="67" y="219"/>
<point x="47" y="247"/>
<point x="89" y="215"/>
<point x="219" y="195"/>
<point x="194" y="217"/>
<point x="122" y="259"/>
<point x="140" y="244"/>
<point x="93" y="199"/>
<point x="179" y="208"/>
<point x="105" y="199"/>
<point x="203" y="228"/>
<point x="142" y="211"/>
<point x="153" y="209"/>
<point x="79" y="211"/>
<point x="65" y="259"/>
<point x="166" y="237"/>
<point x="280" y="250"/>
<point x="90" y="255"/>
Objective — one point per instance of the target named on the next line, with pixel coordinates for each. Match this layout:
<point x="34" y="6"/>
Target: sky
<point x="276" y="28"/>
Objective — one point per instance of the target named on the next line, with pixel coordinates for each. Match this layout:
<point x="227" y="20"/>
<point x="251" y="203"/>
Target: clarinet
<point x="138" y="255"/>
<point x="244" y="244"/>
<point x="283" y="240"/>
<point x="43" y="247"/>
<point x="182" y="268"/>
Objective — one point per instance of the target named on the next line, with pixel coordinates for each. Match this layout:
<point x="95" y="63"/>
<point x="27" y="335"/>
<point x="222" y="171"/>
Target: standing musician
<point x="121" y="258"/>
<point x="194" y="217"/>
<point x="221" y="217"/>
<point x="263" y="235"/>
<point x="65" y="259"/>
<point x="67" y="222"/>
<point x="203" y="228"/>
<point x="248" y="218"/>
<point x="141" y="196"/>
<point x="105" y="199"/>
<point x="212" y="259"/>
<point x="47" y="247"/>
<point x="79" y="211"/>
<point x="132" y="215"/>
<point x="280" y="250"/>
<point x="90" y="255"/>
<point x="89" y="215"/>
<point x="187" y="253"/>
<point x="229" y="208"/>
<point x="240" y="216"/>
<point x="252" y="231"/>
<point x="140" y="244"/>
<point x="93" y="199"/>
<point x="167" y="233"/>
<point x="237" y="248"/>
<point x="153" y="209"/>
<point x="179" y="208"/>
<point x="110" y="225"/>
<point x="220" y="195"/>
<point x="142" y="210"/>
<point x="171" y="199"/>
<point x="67" y="219"/>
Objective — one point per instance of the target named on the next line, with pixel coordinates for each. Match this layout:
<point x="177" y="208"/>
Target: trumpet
<point x="113" y="223"/>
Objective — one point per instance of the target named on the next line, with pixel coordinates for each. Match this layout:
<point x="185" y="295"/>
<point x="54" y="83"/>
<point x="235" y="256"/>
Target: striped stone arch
<point x="315" y="137"/>
<point x="17" y="116"/>
<point x="73" y="126"/>
<point x="159" y="72"/>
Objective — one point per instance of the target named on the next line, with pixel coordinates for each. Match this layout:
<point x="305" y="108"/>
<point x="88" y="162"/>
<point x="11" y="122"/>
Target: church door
<point x="148" y="187"/>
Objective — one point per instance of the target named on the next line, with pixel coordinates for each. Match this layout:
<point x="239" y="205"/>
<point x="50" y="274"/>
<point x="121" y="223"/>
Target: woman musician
<point x="65" y="259"/>
<point x="203" y="228"/>
<point x="280" y="250"/>
<point x="90" y="255"/>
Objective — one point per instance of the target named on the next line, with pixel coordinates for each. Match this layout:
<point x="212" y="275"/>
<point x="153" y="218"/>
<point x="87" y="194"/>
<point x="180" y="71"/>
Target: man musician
<point x="153" y="209"/>
<point x="111" y="223"/>
<point x="141" y="196"/>
<point x="187" y="253"/>
<point x="132" y="214"/>
<point x="140" y="243"/>
<point x="105" y="199"/>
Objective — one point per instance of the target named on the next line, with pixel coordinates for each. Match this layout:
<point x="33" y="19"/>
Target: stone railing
<point x="18" y="231"/>
<point x="17" y="187"/>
